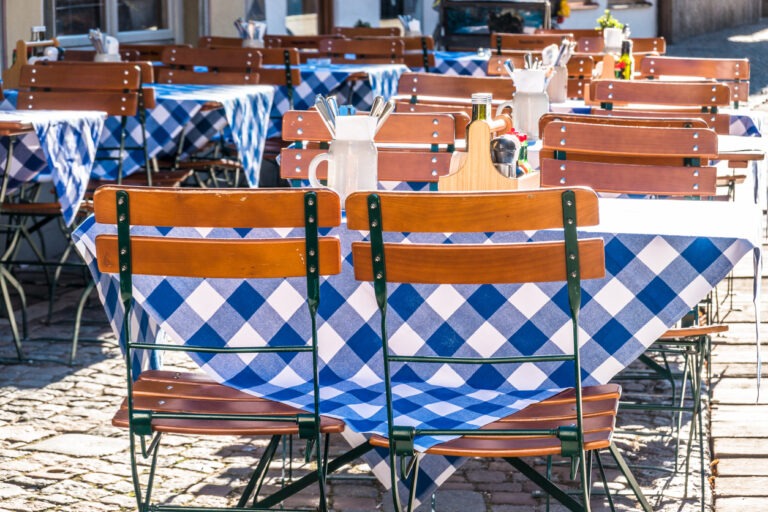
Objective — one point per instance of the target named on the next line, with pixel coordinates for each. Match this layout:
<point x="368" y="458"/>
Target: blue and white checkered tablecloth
<point x="245" y="112"/>
<point x="459" y="63"/>
<point x="61" y="149"/>
<point x="335" y="79"/>
<point x="662" y="257"/>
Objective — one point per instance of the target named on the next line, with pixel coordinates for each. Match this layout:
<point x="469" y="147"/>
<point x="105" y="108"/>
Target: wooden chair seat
<point x="168" y="391"/>
<point x="600" y="406"/>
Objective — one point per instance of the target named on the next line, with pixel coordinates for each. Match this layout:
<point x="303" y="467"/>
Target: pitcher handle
<point x="312" y="171"/>
<point x="501" y="107"/>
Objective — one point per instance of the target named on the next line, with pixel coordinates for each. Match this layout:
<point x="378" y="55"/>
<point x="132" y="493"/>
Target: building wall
<point x="680" y="19"/>
<point x="21" y="17"/>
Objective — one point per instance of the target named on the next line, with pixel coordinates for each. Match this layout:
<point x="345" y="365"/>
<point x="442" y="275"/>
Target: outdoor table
<point x="242" y="109"/>
<point x="662" y="257"/>
<point x="353" y="84"/>
<point x="52" y="145"/>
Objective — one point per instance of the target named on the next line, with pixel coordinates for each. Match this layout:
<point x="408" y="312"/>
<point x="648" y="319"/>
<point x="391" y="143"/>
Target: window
<point x="130" y="20"/>
<point x="301" y="17"/>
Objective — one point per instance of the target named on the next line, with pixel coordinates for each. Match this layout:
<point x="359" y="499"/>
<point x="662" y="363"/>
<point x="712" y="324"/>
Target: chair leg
<point x="257" y="479"/>
<point x="545" y="484"/>
<point x="627" y="472"/>
<point x="9" y="311"/>
<point x="601" y="470"/>
<point x="78" y="320"/>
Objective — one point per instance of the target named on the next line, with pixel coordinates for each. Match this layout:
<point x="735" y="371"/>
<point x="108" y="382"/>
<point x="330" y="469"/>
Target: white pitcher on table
<point x="352" y="157"/>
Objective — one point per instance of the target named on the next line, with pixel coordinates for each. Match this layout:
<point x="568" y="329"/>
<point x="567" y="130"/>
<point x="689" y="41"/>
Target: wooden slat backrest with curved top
<point x="224" y="258"/>
<point x="733" y="72"/>
<point x="405" y="144"/>
<point x="679" y="95"/>
<point x="351" y="32"/>
<point x="88" y="55"/>
<point x="462" y="114"/>
<point x="451" y="88"/>
<point x="370" y="51"/>
<point x="719" y="122"/>
<point x="188" y="76"/>
<point x="529" y="42"/>
<point x="115" y="89"/>
<point x="617" y="157"/>
<point x="219" y="42"/>
<point x="636" y="120"/>
<point x="448" y="212"/>
<point x="419" y="51"/>
<point x="577" y="33"/>
<point x="496" y="61"/>
<point x="300" y="42"/>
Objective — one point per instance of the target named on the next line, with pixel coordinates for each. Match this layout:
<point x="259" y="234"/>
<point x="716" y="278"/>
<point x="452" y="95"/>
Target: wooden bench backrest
<point x="371" y="51"/>
<point x="475" y="212"/>
<point x="351" y="32"/>
<point x="301" y="42"/>
<point x="719" y="122"/>
<point x="419" y="51"/>
<point x="656" y="92"/>
<point x="461" y="113"/>
<point x="220" y="59"/>
<point x="229" y="258"/>
<point x="88" y="55"/>
<point x="115" y="88"/>
<point x="417" y="85"/>
<point x="532" y="42"/>
<point x="637" y="120"/>
<point x="577" y="33"/>
<point x="734" y="72"/>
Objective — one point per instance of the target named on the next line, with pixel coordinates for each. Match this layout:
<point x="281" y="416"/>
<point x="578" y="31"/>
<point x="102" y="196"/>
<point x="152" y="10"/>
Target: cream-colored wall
<point x="222" y="15"/>
<point x="22" y="15"/>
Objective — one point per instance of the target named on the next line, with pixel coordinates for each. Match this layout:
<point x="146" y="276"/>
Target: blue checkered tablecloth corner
<point x="653" y="277"/>
<point x="459" y="63"/>
<point x="334" y="79"/>
<point x="179" y="108"/>
<point x="61" y="149"/>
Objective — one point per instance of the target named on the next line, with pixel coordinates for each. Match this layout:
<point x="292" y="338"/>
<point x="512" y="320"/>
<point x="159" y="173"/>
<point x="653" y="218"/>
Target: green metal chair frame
<point x="128" y="255"/>
<point x="475" y="212"/>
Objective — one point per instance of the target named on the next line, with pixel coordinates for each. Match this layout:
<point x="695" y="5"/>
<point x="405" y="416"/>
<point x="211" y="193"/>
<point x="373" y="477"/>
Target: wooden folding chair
<point x="576" y="423"/>
<point x="161" y="402"/>
<point x="363" y="51"/>
<point x="732" y="72"/>
<point x="642" y="156"/>
<point x="660" y="95"/>
<point x="525" y="42"/>
<point x="414" y="148"/>
<point x="352" y="32"/>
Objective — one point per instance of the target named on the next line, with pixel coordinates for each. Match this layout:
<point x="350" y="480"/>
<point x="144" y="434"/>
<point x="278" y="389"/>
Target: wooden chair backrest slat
<point x="221" y="59"/>
<point x="88" y="55"/>
<point x="496" y="62"/>
<point x="146" y="69"/>
<point x="300" y="42"/>
<point x="218" y="258"/>
<point x="581" y="65"/>
<point x="188" y="76"/>
<point x="458" y="264"/>
<point x="398" y="128"/>
<point x="453" y="86"/>
<point x="595" y="45"/>
<point x="462" y="114"/>
<point x="351" y="32"/>
<point x="719" y="122"/>
<point x="236" y="208"/>
<point x="151" y="52"/>
<point x="81" y="76"/>
<point x="718" y="69"/>
<point x="393" y="164"/>
<point x="628" y="141"/>
<point x="655" y="92"/>
<point x="455" y="212"/>
<point x="114" y="103"/>
<point x="638" y="120"/>
<point x="278" y="56"/>
<point x="501" y="41"/>
<point x="630" y="179"/>
<point x="376" y="51"/>
<point x="577" y="33"/>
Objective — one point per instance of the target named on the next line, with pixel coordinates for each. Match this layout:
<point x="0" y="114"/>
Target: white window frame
<point x="172" y="33"/>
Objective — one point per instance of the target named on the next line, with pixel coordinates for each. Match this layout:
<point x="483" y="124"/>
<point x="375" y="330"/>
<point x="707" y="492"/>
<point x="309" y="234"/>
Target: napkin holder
<point x="24" y="50"/>
<point x="473" y="170"/>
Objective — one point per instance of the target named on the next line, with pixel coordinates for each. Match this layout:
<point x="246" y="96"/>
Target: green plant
<point x="608" y="21"/>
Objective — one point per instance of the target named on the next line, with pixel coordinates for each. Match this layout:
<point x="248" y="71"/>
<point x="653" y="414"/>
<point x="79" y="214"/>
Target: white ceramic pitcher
<point x="352" y="157"/>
